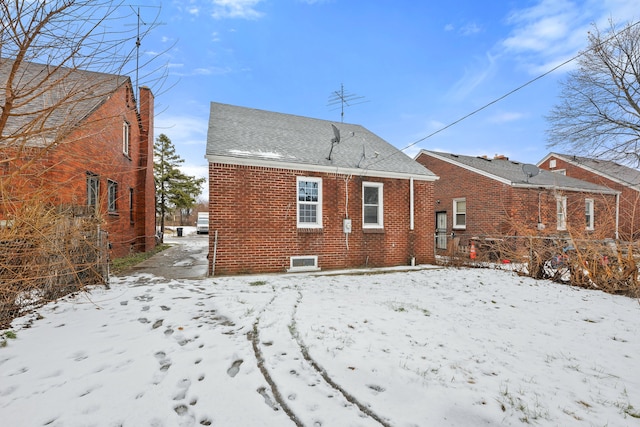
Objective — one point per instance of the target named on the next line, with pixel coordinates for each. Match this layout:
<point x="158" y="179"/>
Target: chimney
<point x="500" y="157"/>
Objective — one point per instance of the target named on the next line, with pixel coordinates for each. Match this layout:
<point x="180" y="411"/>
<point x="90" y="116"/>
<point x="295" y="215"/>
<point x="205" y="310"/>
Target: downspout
<point x="411" y="204"/>
<point x="412" y="261"/>
<point x="617" y="214"/>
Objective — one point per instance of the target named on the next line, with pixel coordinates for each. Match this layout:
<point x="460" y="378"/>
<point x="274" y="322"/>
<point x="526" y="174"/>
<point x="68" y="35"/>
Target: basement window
<point x="303" y="263"/>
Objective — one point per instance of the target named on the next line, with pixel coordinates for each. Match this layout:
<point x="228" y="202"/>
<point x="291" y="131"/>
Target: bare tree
<point x="599" y="111"/>
<point x="59" y="61"/>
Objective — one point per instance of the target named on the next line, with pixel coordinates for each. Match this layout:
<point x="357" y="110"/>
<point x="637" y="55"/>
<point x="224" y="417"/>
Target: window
<point x="303" y="263"/>
<point x="93" y="186"/>
<point x="372" y="213"/>
<point x="309" y="202"/>
<point x="131" y="205"/>
<point x="112" y="190"/>
<point x="125" y="138"/>
<point x="460" y="213"/>
<point x="588" y="210"/>
<point x="561" y="210"/>
<point x="552" y="163"/>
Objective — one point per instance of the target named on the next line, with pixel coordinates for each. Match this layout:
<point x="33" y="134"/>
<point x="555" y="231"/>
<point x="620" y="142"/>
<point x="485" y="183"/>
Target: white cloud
<point x="243" y="9"/>
<point x="506" y="116"/>
<point x="482" y="69"/>
<point x="470" y="29"/>
<point x="552" y="31"/>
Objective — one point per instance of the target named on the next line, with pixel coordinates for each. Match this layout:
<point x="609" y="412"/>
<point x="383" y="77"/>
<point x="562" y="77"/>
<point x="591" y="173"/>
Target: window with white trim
<point x="309" y="210"/>
<point x="303" y="263"/>
<point x="112" y="195"/>
<point x="460" y="213"/>
<point x="372" y="205"/>
<point x="588" y="211"/>
<point x="126" y="138"/>
<point x="561" y="212"/>
<point x="93" y="188"/>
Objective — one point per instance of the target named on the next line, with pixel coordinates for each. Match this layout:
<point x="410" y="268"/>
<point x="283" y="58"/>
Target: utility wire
<point x="505" y="95"/>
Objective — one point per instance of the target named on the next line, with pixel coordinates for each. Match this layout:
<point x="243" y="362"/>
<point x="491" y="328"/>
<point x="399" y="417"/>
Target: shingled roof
<point x="240" y="135"/>
<point x="624" y="175"/>
<point x="49" y="101"/>
<point x="511" y="173"/>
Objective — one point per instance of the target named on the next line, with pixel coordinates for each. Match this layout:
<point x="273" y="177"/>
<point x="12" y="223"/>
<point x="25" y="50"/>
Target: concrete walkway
<point x="186" y="259"/>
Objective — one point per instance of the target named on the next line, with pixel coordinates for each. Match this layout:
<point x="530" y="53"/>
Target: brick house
<point x="291" y="193"/>
<point x="77" y="138"/>
<point x="607" y="173"/>
<point x="478" y="197"/>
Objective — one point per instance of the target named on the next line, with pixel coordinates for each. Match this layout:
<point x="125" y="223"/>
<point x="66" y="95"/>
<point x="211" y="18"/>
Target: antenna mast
<point x="344" y="98"/>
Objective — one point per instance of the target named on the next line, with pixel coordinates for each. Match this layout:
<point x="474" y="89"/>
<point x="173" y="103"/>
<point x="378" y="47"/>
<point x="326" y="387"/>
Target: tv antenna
<point x="530" y="170"/>
<point x="335" y="140"/>
<point x="139" y="38"/>
<point x="344" y="98"/>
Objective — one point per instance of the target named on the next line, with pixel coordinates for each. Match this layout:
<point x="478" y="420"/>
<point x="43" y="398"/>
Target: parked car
<point x="202" y="225"/>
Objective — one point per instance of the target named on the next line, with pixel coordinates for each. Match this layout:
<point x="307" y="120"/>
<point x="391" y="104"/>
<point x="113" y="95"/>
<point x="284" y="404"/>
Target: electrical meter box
<point x="346" y="225"/>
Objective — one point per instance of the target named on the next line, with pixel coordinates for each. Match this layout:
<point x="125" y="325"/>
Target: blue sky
<point x="417" y="66"/>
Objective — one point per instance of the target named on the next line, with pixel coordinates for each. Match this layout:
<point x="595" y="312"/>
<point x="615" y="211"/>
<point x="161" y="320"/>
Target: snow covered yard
<point x="436" y="347"/>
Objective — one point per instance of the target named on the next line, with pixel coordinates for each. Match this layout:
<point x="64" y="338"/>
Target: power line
<point x="507" y="94"/>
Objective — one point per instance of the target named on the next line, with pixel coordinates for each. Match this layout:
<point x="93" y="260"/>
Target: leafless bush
<point x="46" y="253"/>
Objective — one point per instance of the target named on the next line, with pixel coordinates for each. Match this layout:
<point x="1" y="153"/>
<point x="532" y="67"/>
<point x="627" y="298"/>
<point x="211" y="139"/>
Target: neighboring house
<point x="478" y="197"/>
<point x="76" y="138"/>
<point x="624" y="179"/>
<point x="291" y="193"/>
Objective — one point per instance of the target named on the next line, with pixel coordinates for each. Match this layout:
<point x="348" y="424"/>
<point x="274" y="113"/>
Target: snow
<point x="430" y="347"/>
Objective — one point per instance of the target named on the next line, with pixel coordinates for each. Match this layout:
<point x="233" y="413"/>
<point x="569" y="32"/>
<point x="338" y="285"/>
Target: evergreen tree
<point x="174" y="189"/>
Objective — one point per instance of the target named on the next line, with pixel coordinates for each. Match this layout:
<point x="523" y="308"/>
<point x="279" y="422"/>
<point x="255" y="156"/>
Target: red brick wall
<point x="497" y="209"/>
<point x="629" y="218"/>
<point x="95" y="146"/>
<point x="254" y="210"/>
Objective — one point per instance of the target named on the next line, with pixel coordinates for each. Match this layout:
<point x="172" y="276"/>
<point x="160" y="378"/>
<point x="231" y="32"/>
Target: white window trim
<point x="380" y="187"/>
<point x="590" y="204"/>
<point x="313" y="267"/>
<point x="126" y="138"/>
<point x="318" y="223"/>
<point x="455" y="214"/>
<point x="112" y="204"/>
<point x="561" y="201"/>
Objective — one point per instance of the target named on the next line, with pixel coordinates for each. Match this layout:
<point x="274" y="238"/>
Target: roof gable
<point x="511" y="173"/>
<point x="611" y="170"/>
<point x="50" y="101"/>
<point x="251" y="136"/>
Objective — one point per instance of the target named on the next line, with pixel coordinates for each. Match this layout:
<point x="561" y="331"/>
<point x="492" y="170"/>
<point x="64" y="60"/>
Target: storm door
<point x="441" y="230"/>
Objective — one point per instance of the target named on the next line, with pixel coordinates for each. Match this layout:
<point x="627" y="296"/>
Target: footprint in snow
<point x="235" y="368"/>
<point x="183" y="386"/>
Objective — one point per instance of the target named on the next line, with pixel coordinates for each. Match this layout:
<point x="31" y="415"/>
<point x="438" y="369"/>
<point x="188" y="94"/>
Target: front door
<point x="441" y="230"/>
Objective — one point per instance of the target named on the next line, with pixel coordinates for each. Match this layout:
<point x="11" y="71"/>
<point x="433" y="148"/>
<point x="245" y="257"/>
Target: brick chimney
<point x="500" y="157"/>
<point x="146" y="191"/>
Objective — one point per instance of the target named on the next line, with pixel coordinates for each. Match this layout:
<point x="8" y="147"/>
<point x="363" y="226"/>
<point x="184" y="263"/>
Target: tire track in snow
<point x="300" y="386"/>
<point x="323" y="373"/>
<point x="254" y="337"/>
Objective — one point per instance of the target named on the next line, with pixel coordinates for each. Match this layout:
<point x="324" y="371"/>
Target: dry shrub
<point x="45" y="253"/>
